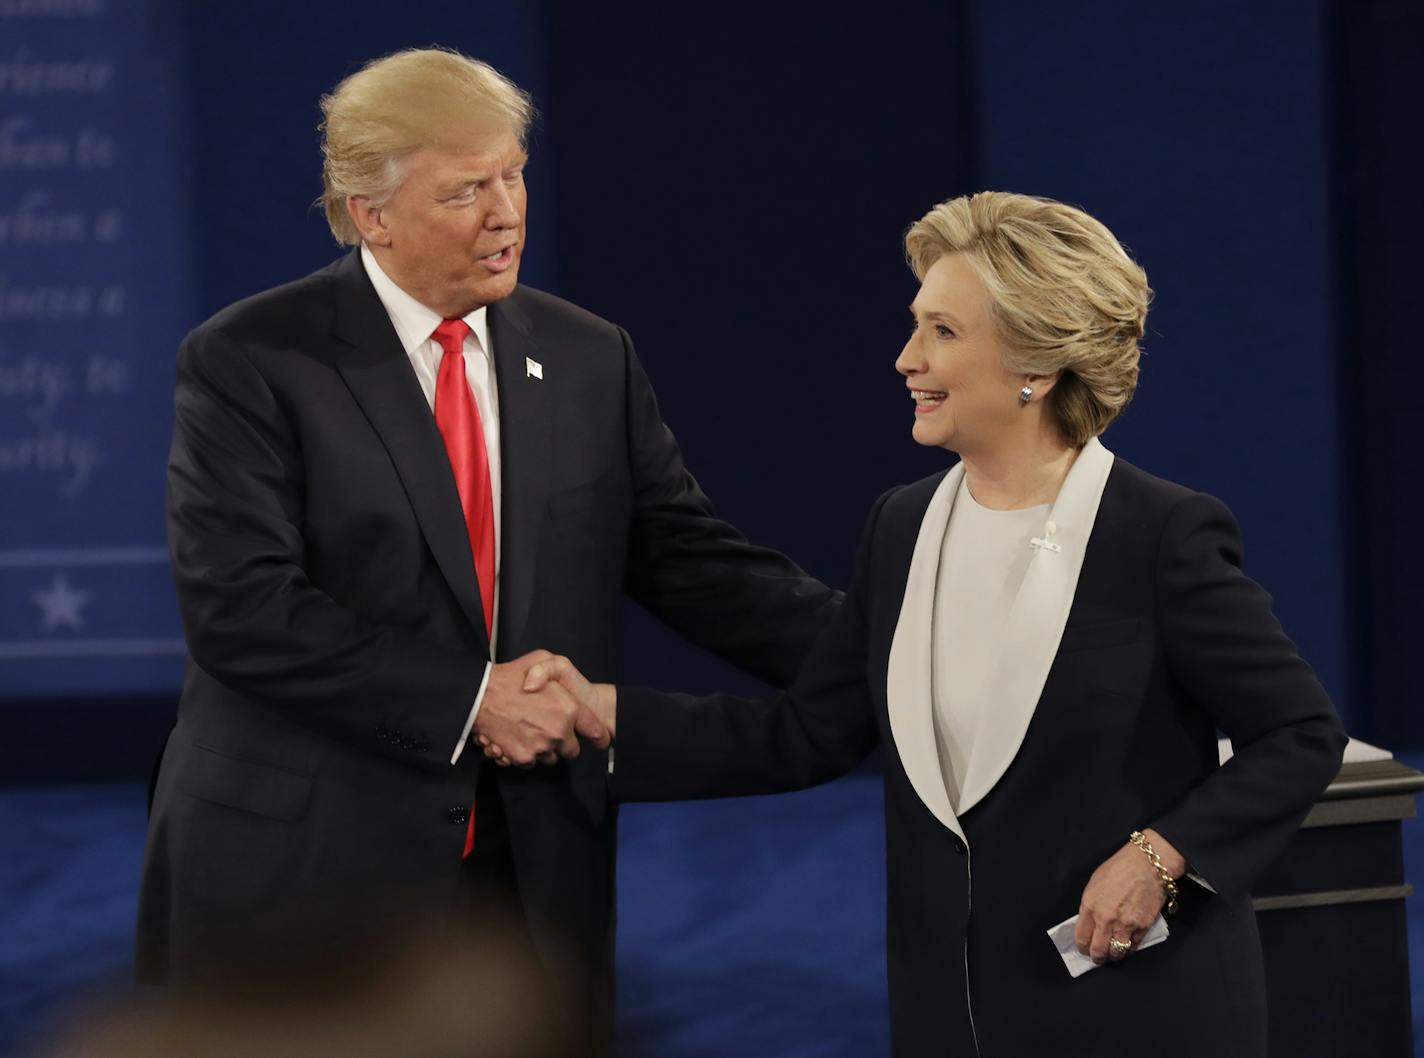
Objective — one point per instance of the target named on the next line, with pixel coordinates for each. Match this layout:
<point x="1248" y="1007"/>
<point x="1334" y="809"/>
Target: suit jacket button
<point x="959" y="847"/>
<point x="459" y="815"/>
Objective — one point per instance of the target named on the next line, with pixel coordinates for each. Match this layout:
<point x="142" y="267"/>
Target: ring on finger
<point x="1119" y="948"/>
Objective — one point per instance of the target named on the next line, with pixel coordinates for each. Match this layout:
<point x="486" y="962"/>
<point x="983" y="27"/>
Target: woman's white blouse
<point x="982" y="564"/>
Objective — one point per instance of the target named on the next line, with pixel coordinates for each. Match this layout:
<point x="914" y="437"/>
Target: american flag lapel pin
<point x="532" y="368"/>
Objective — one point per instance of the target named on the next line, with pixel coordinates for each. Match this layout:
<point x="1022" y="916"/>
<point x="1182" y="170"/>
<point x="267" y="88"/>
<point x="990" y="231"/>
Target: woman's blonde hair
<point x="1065" y="295"/>
<point x="392" y="107"/>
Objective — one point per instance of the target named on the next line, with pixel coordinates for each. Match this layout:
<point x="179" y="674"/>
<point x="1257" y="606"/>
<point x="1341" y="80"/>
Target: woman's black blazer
<point x="1167" y="641"/>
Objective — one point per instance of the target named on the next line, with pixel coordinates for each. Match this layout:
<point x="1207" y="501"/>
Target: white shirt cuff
<point x="474" y="711"/>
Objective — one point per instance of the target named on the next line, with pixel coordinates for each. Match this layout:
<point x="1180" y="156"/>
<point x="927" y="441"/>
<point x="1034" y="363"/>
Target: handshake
<point x="537" y="707"/>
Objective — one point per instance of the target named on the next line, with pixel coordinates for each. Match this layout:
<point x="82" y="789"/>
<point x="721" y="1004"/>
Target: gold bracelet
<point x="1168" y="882"/>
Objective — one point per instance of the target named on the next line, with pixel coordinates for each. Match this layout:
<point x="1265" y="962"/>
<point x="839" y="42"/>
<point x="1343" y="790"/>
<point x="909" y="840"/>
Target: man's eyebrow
<point x="454" y="187"/>
<point x="468" y="178"/>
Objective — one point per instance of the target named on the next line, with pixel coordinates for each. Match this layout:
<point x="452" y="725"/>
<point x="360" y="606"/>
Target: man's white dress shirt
<point x="415" y="327"/>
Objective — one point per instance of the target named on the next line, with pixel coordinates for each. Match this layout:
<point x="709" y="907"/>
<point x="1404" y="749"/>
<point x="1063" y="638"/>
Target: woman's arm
<point x="1225" y="647"/>
<point x="680" y="746"/>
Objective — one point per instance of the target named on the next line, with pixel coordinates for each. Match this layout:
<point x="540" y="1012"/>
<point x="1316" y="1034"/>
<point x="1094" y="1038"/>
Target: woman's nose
<point x="909" y="362"/>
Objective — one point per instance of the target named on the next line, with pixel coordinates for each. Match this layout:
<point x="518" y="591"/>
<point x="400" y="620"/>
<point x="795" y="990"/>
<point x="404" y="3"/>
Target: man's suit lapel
<point x="527" y="424"/>
<point x="529" y="375"/>
<point x="381" y="379"/>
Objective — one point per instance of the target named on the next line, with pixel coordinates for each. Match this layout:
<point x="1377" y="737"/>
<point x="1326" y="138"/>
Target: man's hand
<point x="524" y="722"/>
<point x="598" y="702"/>
<point x="601" y="699"/>
<point x="1123" y="897"/>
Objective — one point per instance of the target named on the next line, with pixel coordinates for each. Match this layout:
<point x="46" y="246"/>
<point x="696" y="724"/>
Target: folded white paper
<point x="1078" y="964"/>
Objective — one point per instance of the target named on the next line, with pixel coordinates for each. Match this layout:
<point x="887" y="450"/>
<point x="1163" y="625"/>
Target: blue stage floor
<point x="747" y="927"/>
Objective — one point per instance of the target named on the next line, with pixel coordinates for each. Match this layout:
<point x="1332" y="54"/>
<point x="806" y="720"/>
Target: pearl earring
<point x="1026" y="394"/>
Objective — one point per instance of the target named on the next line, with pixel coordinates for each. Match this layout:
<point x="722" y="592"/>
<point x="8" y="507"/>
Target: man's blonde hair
<point x="392" y="107"/>
<point x="1064" y="294"/>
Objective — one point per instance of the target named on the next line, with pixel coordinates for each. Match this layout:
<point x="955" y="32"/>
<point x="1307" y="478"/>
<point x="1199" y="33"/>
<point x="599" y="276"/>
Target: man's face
<point x="452" y="234"/>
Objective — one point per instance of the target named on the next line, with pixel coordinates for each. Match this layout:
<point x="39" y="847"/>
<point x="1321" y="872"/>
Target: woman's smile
<point x="927" y="400"/>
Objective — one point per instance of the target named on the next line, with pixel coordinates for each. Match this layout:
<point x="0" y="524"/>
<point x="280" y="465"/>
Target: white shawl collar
<point x="1030" y="642"/>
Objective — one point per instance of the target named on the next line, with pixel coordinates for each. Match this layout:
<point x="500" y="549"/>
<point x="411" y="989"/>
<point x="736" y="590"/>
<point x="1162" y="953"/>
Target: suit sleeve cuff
<point x="474" y="712"/>
<point x="1195" y="877"/>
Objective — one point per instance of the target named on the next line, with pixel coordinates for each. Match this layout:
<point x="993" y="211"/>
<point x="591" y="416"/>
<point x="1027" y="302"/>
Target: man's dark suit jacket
<point x="335" y="628"/>
<point x="1166" y="640"/>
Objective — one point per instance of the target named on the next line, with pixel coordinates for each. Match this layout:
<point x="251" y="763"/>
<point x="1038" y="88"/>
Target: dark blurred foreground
<point x="429" y="991"/>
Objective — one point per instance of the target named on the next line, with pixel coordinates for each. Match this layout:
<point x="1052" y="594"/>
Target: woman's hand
<point x="599" y="698"/>
<point x="1124" y="897"/>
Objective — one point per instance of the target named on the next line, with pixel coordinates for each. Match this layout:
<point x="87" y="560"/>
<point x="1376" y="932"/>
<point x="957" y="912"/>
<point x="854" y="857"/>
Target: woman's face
<point x="965" y="399"/>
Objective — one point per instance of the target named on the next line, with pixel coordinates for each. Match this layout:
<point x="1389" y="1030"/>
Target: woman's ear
<point x="1038" y="386"/>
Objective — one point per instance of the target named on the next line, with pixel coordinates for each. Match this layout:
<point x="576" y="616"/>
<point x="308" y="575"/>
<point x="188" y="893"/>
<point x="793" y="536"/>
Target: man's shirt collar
<point x="414" y="322"/>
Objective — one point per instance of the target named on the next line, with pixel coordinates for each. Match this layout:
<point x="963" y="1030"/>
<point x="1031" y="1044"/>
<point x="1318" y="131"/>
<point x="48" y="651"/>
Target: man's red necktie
<point x="457" y="416"/>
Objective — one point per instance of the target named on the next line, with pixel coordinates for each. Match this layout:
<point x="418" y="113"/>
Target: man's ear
<point x="369" y="219"/>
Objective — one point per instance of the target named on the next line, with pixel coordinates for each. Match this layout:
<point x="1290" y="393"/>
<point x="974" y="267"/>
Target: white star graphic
<point x="61" y="604"/>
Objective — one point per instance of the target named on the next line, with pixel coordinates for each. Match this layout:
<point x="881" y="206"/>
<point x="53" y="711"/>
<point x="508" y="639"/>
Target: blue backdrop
<point x="731" y="185"/>
<point x="96" y="254"/>
<point x="1202" y="138"/>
